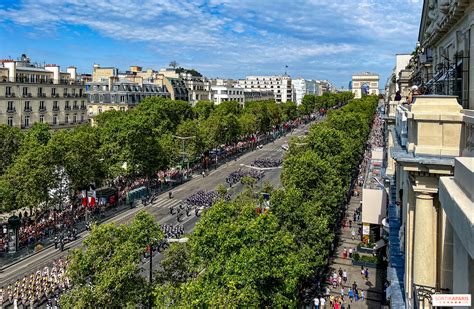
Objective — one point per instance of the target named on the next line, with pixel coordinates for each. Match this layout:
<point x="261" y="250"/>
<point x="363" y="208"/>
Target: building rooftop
<point x="31" y="68"/>
<point x="373" y="177"/>
<point x="365" y="74"/>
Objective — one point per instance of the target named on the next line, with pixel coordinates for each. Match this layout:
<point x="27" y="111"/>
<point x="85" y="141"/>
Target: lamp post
<point x="150" y="273"/>
<point x="183" y="153"/>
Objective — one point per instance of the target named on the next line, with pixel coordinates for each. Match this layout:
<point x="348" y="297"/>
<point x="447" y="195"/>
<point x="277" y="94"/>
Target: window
<point x="122" y="98"/>
<point x="66" y="118"/>
<point x="55" y="104"/>
<point x="53" y="91"/>
<point x="67" y="105"/>
<point x="65" y="92"/>
<point x="41" y="118"/>
<point x="82" y="117"/>
<point x="27" y="105"/>
<point x="41" y="105"/>
<point x="10" y="106"/>
<point x="25" y="91"/>
<point x="8" y="91"/>
<point x="55" y="119"/>
<point x="74" y="118"/>
<point x="26" y="121"/>
<point x="40" y="91"/>
<point x="10" y="121"/>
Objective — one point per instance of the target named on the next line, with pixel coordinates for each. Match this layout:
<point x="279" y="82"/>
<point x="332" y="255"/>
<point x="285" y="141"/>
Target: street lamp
<point x="183" y="139"/>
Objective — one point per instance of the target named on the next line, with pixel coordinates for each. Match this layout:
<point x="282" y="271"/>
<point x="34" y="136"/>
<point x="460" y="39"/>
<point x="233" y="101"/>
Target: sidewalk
<point x="373" y="287"/>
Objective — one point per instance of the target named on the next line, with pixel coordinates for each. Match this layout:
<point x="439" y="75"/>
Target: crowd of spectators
<point x="44" y="225"/>
<point x="375" y="140"/>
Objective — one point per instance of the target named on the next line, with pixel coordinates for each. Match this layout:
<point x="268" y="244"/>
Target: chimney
<point x="11" y="65"/>
<point x="55" y="69"/>
<point x="72" y="72"/>
<point x="111" y="82"/>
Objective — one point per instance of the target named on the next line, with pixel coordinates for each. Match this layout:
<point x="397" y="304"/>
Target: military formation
<point x="38" y="288"/>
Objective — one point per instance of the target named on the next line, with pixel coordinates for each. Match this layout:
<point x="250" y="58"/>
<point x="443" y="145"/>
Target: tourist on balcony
<point x="413" y="92"/>
<point x="398" y="96"/>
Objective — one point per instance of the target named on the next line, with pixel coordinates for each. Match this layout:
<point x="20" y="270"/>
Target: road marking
<point x="260" y="168"/>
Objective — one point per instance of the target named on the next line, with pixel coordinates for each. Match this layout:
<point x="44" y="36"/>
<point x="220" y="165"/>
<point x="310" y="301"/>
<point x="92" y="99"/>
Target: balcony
<point x="65" y="95"/>
<point x="11" y="110"/>
<point x="67" y="108"/>
<point x="10" y="95"/>
<point x="42" y="109"/>
<point x="75" y="107"/>
<point x="41" y="95"/>
<point x="28" y="109"/>
<point x="27" y="95"/>
<point x="55" y="108"/>
<point x="83" y="107"/>
<point x="55" y="95"/>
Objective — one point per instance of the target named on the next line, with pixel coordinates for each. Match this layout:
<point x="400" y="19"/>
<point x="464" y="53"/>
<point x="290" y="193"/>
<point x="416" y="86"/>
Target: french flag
<point x="91" y="201"/>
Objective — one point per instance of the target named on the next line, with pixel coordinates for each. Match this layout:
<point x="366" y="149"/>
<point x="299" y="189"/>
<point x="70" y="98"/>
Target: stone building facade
<point x="32" y="93"/>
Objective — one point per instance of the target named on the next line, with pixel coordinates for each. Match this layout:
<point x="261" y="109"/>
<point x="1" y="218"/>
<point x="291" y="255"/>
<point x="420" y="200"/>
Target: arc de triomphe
<point x="365" y="82"/>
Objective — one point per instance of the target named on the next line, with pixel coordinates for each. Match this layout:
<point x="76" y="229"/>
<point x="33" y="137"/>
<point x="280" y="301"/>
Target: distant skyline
<point x="316" y="39"/>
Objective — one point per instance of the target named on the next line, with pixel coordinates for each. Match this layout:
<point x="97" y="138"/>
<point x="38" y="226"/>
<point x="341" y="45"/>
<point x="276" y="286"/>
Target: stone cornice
<point x="444" y="24"/>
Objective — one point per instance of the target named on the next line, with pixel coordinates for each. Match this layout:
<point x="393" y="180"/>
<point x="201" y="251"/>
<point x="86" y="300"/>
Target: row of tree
<point x="237" y="257"/>
<point x="39" y="167"/>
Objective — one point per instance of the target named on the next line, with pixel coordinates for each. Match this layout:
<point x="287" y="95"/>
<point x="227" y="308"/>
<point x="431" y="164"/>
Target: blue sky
<point x="317" y="39"/>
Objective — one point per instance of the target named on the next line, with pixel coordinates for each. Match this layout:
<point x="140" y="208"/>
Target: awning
<point x="380" y="244"/>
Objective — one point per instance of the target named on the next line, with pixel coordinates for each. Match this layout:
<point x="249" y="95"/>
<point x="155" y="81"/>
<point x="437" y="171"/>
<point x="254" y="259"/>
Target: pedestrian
<point x="316" y="302"/>
<point x="362" y="296"/>
<point x="344" y="276"/>
<point x="344" y="253"/>
<point x="356" y="295"/>
<point x="366" y="273"/>
<point x="342" y="292"/>
<point x="351" y="295"/>
<point x="350" y="224"/>
<point x="362" y="272"/>
<point x="353" y="234"/>
<point x="354" y="286"/>
<point x="350" y="253"/>
<point x="322" y="302"/>
<point x="340" y="271"/>
<point x="339" y="280"/>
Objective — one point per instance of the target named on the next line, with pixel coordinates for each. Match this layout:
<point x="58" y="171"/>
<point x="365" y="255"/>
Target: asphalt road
<point x="160" y="208"/>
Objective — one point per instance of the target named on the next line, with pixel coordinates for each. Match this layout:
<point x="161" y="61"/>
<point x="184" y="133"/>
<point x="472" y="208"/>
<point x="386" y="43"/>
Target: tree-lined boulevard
<point x="244" y="252"/>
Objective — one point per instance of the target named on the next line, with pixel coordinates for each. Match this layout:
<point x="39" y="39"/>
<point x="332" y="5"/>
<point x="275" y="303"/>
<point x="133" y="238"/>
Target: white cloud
<point x="219" y="32"/>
